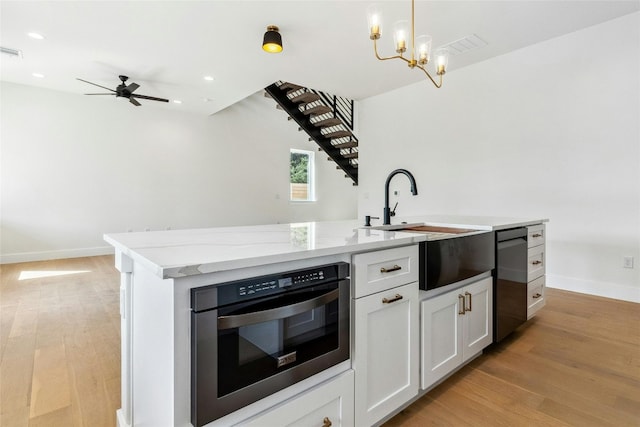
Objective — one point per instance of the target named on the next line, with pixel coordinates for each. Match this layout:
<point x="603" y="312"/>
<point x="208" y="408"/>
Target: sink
<point x="436" y="229"/>
<point x="394" y="227"/>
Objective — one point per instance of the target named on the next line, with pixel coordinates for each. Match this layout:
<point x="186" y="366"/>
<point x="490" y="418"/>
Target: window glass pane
<point x="301" y="176"/>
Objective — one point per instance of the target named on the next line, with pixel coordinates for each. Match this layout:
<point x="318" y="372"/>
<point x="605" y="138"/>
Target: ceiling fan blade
<point x="99" y="94"/>
<point x="152" y="98"/>
<point x="95" y="84"/>
<point x="132" y="87"/>
<point x="134" y="101"/>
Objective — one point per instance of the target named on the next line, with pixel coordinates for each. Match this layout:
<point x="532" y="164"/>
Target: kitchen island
<point x="159" y="270"/>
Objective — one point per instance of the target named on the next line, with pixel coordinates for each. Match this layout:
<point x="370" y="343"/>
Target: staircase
<point x="327" y="119"/>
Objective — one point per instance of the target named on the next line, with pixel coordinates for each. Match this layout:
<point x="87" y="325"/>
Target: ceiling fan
<point x="125" y="91"/>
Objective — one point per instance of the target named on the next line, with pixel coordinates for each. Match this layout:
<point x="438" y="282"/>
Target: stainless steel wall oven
<point x="253" y="337"/>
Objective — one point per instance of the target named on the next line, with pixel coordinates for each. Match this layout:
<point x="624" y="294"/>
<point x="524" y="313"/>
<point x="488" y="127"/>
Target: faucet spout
<point x="414" y="190"/>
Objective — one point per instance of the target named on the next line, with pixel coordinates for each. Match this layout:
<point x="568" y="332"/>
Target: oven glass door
<point x="261" y="338"/>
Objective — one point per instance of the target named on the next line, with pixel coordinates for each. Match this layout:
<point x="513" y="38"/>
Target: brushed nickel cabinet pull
<point x="396" y="267"/>
<point x="537" y="295"/>
<point x="326" y="422"/>
<point x="536" y="262"/>
<point x="467" y="294"/>
<point x="461" y="302"/>
<point x="536" y="235"/>
<point x="398" y="297"/>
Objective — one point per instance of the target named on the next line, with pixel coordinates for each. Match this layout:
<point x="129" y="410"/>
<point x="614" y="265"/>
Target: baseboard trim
<point x="121" y="422"/>
<point x="591" y="287"/>
<point x="49" y="255"/>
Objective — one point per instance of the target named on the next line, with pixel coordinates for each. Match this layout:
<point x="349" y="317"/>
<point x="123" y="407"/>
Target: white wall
<point x="549" y="131"/>
<point x="76" y="167"/>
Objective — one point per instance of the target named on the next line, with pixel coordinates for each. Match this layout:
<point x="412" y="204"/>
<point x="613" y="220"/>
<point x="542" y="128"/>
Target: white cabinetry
<point x="535" y="269"/>
<point x="455" y="327"/>
<point x="328" y="404"/>
<point x="385" y="343"/>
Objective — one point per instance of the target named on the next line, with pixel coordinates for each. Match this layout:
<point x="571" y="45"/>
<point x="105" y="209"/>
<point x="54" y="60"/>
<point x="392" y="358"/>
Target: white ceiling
<point x="168" y="46"/>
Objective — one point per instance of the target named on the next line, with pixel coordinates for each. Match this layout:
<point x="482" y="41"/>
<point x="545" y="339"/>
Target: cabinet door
<point x="385" y="354"/>
<point x="329" y="404"/>
<point x="478" y="317"/>
<point x="441" y="341"/>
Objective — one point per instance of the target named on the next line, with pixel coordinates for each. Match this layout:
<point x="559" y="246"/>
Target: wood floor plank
<point x="50" y="389"/>
<point x="59" y="418"/>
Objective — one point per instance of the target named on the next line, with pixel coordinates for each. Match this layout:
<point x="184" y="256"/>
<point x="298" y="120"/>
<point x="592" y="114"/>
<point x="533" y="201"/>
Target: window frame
<point x="311" y="176"/>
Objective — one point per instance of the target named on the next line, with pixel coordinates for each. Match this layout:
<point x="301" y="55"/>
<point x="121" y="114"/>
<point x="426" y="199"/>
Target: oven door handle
<point x="236" y="321"/>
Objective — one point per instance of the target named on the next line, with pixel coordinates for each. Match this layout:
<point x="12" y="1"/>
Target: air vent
<point x="465" y="44"/>
<point x="15" y="53"/>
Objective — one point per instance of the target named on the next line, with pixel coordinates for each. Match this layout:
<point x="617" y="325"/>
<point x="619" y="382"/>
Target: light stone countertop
<point x="489" y="223"/>
<point x="180" y="253"/>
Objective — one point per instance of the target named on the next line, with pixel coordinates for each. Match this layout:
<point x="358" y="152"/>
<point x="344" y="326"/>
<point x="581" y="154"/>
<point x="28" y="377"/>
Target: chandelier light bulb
<point x="442" y="60"/>
<point x="374" y="19"/>
<point x="423" y="48"/>
<point x="401" y="29"/>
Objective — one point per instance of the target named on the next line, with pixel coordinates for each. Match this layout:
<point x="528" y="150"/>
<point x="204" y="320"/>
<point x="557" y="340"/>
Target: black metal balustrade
<point x="327" y="119"/>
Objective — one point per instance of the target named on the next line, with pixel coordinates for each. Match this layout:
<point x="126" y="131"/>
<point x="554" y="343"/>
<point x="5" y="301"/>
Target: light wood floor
<point x="577" y="363"/>
<point x="60" y="343"/>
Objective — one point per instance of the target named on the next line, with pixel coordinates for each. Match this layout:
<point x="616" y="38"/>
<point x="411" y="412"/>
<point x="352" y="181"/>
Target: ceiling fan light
<point x="272" y="40"/>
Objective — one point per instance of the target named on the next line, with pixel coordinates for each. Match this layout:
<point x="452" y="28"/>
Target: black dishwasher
<point x="510" y="283"/>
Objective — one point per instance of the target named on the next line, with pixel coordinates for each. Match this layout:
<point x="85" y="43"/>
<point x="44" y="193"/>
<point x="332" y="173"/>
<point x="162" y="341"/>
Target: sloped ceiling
<point x="169" y="46"/>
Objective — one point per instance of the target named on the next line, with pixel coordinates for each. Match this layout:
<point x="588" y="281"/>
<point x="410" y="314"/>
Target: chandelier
<point x="420" y="46"/>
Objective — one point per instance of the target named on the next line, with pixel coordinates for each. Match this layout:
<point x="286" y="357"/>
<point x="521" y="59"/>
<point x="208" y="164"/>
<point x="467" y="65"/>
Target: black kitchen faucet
<point x="388" y="213"/>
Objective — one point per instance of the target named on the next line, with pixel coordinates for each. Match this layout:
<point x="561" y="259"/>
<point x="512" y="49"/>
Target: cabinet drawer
<point x="535" y="263"/>
<point x="381" y="270"/>
<point x="330" y="403"/>
<point x="535" y="298"/>
<point x="535" y="235"/>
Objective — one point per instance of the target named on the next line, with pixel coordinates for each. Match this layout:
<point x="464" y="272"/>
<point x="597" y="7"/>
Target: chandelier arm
<point x="431" y="78"/>
<point x="375" y="49"/>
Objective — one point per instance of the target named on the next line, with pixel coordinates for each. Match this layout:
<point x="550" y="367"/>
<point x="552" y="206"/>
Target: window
<point x="301" y="176"/>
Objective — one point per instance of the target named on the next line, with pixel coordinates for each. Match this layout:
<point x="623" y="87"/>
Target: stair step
<point x="337" y="134"/>
<point x="287" y="85"/>
<point x="305" y="97"/>
<point x="332" y="121"/>
<point x="319" y="109"/>
<point x="267" y="95"/>
<point x="350" y="155"/>
<point x="350" y="144"/>
<point x="279" y="107"/>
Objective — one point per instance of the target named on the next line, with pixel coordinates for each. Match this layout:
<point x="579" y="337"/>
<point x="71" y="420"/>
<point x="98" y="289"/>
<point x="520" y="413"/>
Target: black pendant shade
<point x="272" y="41"/>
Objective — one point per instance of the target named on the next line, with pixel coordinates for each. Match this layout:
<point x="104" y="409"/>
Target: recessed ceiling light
<point x="36" y="36"/>
<point x="208" y="78"/>
<point x="38" y="75"/>
<point x="177" y="101"/>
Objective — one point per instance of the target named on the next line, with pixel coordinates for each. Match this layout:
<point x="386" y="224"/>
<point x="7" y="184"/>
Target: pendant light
<point x="272" y="41"/>
<point x="419" y="48"/>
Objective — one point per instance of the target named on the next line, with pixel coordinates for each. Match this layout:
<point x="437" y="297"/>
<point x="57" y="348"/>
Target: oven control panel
<point x="213" y="296"/>
<point x="308" y="277"/>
